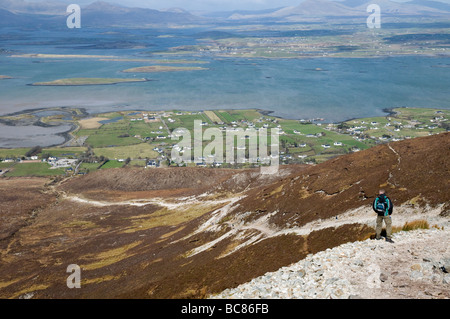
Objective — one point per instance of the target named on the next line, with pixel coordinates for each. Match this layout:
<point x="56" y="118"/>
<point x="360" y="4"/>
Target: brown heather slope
<point x="416" y="169"/>
<point x="135" y="238"/>
<point x="20" y="200"/>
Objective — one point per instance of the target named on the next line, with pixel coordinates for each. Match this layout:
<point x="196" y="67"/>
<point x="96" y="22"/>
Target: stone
<point x="337" y="294"/>
<point x="285" y="276"/>
<point x="330" y="281"/>
<point x="28" y="295"/>
<point x="358" y="263"/>
<point x="383" y="277"/>
<point x="416" y="267"/>
<point x="301" y="273"/>
<point x="337" y="273"/>
<point x="445" y="264"/>
<point x="415" y="275"/>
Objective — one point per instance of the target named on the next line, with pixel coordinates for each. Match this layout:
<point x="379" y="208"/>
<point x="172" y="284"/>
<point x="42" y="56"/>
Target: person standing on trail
<point x="382" y="205"/>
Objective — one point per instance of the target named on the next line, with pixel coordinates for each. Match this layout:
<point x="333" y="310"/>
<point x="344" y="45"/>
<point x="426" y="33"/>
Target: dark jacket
<point x="385" y="202"/>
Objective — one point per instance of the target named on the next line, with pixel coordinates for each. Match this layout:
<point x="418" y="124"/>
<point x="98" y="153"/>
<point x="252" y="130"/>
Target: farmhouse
<point x="61" y="162"/>
<point x="152" y="164"/>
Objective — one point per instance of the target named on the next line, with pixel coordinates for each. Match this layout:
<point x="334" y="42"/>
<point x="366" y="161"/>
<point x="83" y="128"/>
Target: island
<point x="88" y="81"/>
<point x="163" y="68"/>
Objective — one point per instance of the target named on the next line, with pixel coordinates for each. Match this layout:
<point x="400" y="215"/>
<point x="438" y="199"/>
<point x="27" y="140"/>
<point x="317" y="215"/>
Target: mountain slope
<point x="156" y="234"/>
<point x="310" y="9"/>
<point x="100" y="13"/>
<point x="409" y="169"/>
<point x="103" y="13"/>
<point x="432" y="4"/>
<point x="43" y="7"/>
<point x="8" y="18"/>
<point x="401" y="9"/>
<point x="316" y="8"/>
<point x="305" y="10"/>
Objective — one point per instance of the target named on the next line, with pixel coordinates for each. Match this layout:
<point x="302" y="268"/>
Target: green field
<point x="112" y="164"/>
<point x="89" y="166"/>
<point x="13" y="153"/>
<point x="406" y="122"/>
<point x="226" y="116"/>
<point x="112" y="134"/>
<point x="135" y="151"/>
<point x="6" y="165"/>
<point x="134" y="135"/>
<point x="54" y="151"/>
<point x="64" y="151"/>
<point x="34" y="169"/>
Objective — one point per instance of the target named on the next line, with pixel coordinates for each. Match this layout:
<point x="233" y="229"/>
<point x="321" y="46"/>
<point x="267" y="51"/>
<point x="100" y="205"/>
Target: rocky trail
<point x="416" y="265"/>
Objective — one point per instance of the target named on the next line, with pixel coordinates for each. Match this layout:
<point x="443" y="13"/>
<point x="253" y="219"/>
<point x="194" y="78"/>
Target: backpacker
<point x="383" y="205"/>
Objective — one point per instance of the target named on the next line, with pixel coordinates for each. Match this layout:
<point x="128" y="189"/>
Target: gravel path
<point x="416" y="265"/>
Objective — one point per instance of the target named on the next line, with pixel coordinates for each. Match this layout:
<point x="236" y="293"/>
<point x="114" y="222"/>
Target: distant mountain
<point x="353" y="3"/>
<point x="432" y="4"/>
<point x="8" y="18"/>
<point x="401" y="9"/>
<point x="349" y="8"/>
<point x="317" y="8"/>
<point x="100" y="13"/>
<point x="424" y="3"/>
<point x="45" y="7"/>
<point x="306" y="9"/>
<point x="104" y="13"/>
<point x="227" y="14"/>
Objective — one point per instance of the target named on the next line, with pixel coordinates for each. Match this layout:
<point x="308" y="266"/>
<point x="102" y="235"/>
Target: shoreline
<point x="38" y="122"/>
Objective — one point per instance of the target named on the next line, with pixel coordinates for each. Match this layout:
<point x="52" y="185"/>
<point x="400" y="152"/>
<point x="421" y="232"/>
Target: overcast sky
<point x="208" y="5"/>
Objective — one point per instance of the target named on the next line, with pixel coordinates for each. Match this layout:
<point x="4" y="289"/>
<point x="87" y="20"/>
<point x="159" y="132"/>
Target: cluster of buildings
<point x="56" y="162"/>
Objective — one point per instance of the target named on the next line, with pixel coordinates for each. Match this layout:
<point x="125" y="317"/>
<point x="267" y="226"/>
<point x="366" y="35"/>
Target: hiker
<point x="383" y="206"/>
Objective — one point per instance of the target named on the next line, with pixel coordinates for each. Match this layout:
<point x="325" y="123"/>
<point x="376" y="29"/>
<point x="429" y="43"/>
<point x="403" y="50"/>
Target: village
<point x="150" y="140"/>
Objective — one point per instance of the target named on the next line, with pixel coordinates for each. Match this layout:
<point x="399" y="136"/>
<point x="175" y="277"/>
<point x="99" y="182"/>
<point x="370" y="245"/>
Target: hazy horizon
<point x="205" y="5"/>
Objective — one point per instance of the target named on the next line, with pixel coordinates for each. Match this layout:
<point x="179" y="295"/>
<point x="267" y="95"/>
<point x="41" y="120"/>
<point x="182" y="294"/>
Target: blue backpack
<point x="383" y="205"/>
<point x="380" y="207"/>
